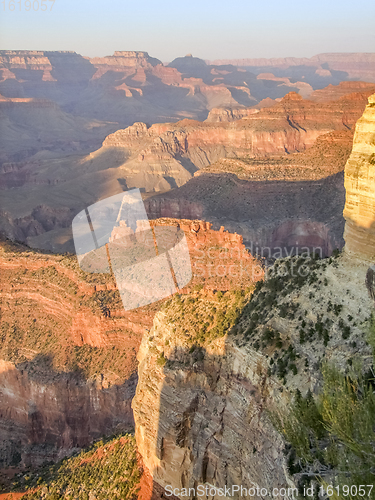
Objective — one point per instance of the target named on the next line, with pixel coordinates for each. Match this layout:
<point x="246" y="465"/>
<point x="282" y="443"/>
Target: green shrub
<point x="293" y="367"/>
<point x="346" y="332"/>
<point x="161" y="360"/>
<point x="337" y="308"/>
<point x="334" y="433"/>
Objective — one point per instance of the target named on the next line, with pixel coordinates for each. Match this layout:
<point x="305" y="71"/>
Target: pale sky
<point x="208" y="29"/>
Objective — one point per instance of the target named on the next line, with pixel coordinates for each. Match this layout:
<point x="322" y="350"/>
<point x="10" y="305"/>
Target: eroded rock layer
<point x="67" y="356"/>
<point x="67" y="351"/>
<point x="359" y="209"/>
<point x="205" y="422"/>
<point x="201" y="402"/>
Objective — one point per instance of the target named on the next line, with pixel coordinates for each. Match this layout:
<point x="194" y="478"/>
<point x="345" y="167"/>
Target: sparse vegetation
<point x="37" y="317"/>
<point x="331" y="437"/>
<point x="202" y="319"/>
<point x="108" y="469"/>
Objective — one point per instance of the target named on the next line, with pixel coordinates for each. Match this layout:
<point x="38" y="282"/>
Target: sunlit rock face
<point x="359" y="209"/>
<point x="205" y="422"/>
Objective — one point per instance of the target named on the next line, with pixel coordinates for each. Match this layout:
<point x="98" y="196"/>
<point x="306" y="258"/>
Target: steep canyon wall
<point x="359" y="209"/>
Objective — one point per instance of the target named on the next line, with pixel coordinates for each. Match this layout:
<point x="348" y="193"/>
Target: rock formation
<point x="127" y="59"/>
<point x="354" y="66"/>
<point x="200" y="405"/>
<point x="67" y="353"/>
<point x="165" y="155"/>
<point x="219" y="258"/>
<point x="67" y="357"/>
<point x="205" y="423"/>
<point x="45" y="420"/>
<point x="359" y="209"/>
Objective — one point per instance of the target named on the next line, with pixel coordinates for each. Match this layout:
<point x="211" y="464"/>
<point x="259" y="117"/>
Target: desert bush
<point x="333" y="434"/>
<point x="161" y="360"/>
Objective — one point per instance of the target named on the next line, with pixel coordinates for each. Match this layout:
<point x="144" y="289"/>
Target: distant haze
<point x="207" y="29"/>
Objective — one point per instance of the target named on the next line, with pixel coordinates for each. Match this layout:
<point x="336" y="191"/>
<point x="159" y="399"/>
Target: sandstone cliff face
<point x="205" y="422"/>
<point x="290" y="125"/>
<point x="46" y="421"/>
<point x="219" y="258"/>
<point x="25" y="59"/>
<point x="359" y="209"/>
<point x="229" y="115"/>
<point x="129" y="59"/>
<point x="346" y="91"/>
<point x="200" y="414"/>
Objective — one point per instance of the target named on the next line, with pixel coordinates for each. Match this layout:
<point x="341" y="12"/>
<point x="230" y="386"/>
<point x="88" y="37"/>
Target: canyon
<point x="68" y="349"/>
<point x="274" y="143"/>
<point x="252" y="160"/>
<point x="206" y="413"/>
<point x="70" y="112"/>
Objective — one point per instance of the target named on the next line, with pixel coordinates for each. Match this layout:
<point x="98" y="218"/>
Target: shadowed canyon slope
<point x="29" y="125"/>
<point x="278" y="203"/>
<point x="46" y="191"/>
